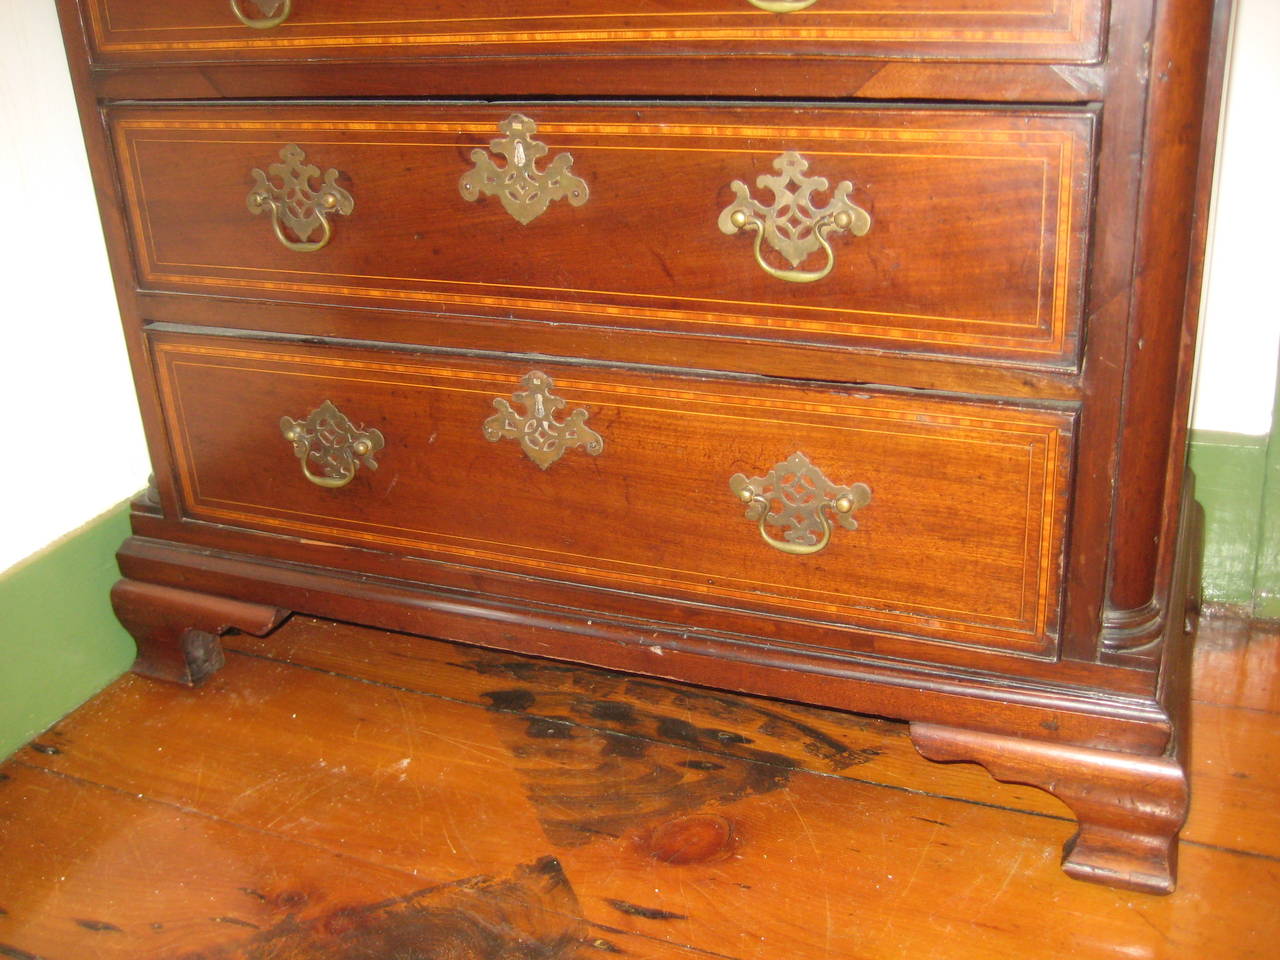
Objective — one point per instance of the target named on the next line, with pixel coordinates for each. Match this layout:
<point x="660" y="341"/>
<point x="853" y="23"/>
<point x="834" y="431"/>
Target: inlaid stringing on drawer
<point x="975" y="246"/>
<point x="960" y="507"/>
<point x="1010" y="30"/>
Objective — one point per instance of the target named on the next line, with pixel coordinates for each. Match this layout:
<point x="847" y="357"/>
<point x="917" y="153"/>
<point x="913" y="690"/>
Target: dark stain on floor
<point x="606" y="755"/>
<point x="633" y="705"/>
<point x="585" y="783"/>
<point x="648" y="913"/>
<point x="533" y="915"/>
<point x="98" y="926"/>
<point x="235" y="922"/>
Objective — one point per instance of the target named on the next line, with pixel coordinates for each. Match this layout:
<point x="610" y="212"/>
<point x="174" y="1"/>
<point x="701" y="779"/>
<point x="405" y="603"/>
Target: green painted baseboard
<point x="59" y="641"/>
<point x="1238" y="483"/>
<point x="1266" y="601"/>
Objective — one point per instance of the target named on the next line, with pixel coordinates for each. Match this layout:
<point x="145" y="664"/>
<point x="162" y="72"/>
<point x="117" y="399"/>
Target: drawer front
<point x="934" y="519"/>
<point x="973" y="223"/>
<point x="1008" y="30"/>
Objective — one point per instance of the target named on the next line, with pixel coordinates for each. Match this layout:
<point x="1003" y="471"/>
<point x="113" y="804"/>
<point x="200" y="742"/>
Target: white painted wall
<point x="71" y="425"/>
<point x="1240" y="339"/>
<point x="73" y="443"/>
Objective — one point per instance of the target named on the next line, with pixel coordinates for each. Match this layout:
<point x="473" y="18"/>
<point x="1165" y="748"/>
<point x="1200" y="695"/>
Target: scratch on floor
<point x="826" y="894"/>
<point x="924" y="852"/>
<point x="1013" y="870"/>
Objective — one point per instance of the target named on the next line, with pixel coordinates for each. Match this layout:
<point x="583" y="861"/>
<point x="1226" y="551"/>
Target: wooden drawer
<point x="1007" y="30"/>
<point x="976" y="243"/>
<point x="960" y="538"/>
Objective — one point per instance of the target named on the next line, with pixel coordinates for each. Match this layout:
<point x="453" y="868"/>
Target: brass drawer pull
<point x="542" y="438"/>
<point x="804" y="498"/>
<point x="336" y="445"/>
<point x="782" y="6"/>
<point x="297" y="204"/>
<point x="277" y="12"/>
<point x="525" y="191"/>
<point x="793" y="225"/>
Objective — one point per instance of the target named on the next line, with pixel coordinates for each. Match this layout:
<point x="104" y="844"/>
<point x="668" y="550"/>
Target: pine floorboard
<point x="338" y="792"/>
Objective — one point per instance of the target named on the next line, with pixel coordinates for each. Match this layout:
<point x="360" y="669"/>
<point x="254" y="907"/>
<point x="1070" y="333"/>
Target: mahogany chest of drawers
<point x="818" y="349"/>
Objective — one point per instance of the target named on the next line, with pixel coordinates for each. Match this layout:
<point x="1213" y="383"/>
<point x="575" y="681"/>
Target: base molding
<point x="1129" y="807"/>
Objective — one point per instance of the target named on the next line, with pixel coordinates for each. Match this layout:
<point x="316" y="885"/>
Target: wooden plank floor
<point x="338" y="792"/>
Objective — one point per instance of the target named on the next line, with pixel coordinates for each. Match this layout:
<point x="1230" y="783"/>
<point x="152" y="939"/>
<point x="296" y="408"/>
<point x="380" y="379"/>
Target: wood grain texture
<point x="984" y="575"/>
<point x="131" y="877"/>
<point x="132" y="30"/>
<point x="976" y="247"/>
<point x="825" y="742"/>
<point x="328" y="809"/>
<point x="1237" y="664"/>
<point x="1235" y="768"/>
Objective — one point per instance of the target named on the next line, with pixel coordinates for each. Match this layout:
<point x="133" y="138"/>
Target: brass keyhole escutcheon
<point x="524" y="189"/>
<point x="542" y="437"/>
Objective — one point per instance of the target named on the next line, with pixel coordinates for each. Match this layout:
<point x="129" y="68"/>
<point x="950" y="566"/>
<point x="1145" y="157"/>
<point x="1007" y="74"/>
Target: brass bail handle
<point x="298" y="246"/>
<point x="337" y="445"/>
<point x="843" y="505"/>
<point x="289" y="190"/>
<point x="840" y="222"/>
<point x="795" y="224"/>
<point x="806" y="502"/>
<point x="782" y="6"/>
<point x="277" y="15"/>
<point x="347" y="474"/>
